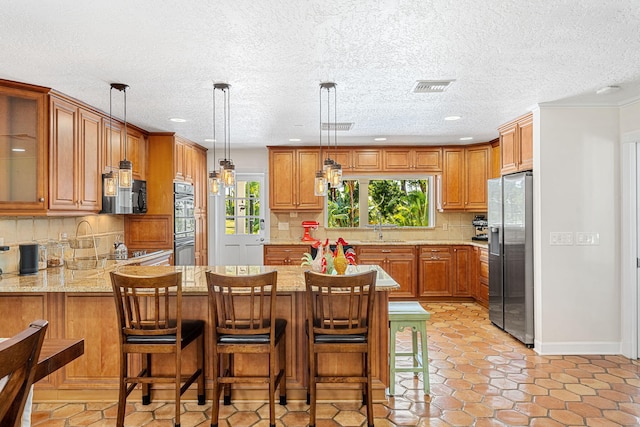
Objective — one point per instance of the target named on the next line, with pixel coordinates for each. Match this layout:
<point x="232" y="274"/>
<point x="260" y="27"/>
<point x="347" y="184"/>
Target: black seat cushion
<point x="281" y="325"/>
<point x="191" y="329"/>
<point x="335" y="338"/>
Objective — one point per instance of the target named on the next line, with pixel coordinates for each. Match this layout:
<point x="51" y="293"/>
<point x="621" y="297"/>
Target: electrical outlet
<point x="293" y="214"/>
<point x="587" y="238"/>
<point x="445" y="226"/>
<point x="561" y="238"/>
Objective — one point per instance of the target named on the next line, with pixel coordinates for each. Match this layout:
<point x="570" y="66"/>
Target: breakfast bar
<point x="80" y="305"/>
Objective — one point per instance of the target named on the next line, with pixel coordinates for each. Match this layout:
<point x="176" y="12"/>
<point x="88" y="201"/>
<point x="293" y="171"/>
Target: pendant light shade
<point x="125" y="170"/>
<point x="320" y="184"/>
<point x="227" y="168"/>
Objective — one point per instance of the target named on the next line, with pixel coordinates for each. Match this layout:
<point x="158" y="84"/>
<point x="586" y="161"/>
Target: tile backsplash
<point x="450" y="226"/>
<point x="18" y="230"/>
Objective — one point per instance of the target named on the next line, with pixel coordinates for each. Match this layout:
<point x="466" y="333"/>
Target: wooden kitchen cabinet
<point x="406" y="159"/>
<point x="137" y="153"/>
<point x="23" y="126"/>
<point x="400" y="262"/>
<point x="357" y="160"/>
<point x="463" y="263"/>
<point x="435" y="273"/>
<point x="292" y="173"/>
<point x="284" y="254"/>
<point x="464" y="178"/>
<point x="516" y="145"/>
<point x="201" y="179"/>
<point x="201" y="252"/>
<point x="184" y="160"/>
<point x="75" y="183"/>
<point x="481" y="276"/>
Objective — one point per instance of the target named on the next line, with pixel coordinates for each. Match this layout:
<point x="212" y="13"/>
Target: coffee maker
<point x="480" y="223"/>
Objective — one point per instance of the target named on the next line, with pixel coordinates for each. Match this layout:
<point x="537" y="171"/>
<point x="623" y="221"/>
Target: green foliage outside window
<point x="400" y="202"/>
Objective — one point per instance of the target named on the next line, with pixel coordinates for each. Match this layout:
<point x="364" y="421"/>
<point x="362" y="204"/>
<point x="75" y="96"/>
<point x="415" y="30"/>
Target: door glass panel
<point x="242" y="208"/>
<point x="18" y="149"/>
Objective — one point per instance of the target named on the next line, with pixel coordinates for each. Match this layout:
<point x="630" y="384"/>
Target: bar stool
<point x="409" y="314"/>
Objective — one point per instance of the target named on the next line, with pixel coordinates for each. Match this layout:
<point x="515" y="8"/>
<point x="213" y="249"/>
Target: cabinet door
<point x="525" y="137"/>
<point x="137" y="153"/>
<point x="188" y="166"/>
<point x="308" y="162"/>
<point x="482" y="290"/>
<point x="428" y="160"/>
<point x="463" y="258"/>
<point x="508" y="150"/>
<point x="476" y="176"/>
<point x="23" y="150"/>
<point x="89" y="172"/>
<point x="453" y="179"/>
<point x="435" y="272"/>
<point x="201" y="240"/>
<point x="63" y="155"/>
<point x="179" y="156"/>
<point x="200" y="180"/>
<point x="398" y="261"/>
<point x="366" y="160"/>
<point x="282" y="183"/>
<point x="397" y="159"/>
<point x="112" y="144"/>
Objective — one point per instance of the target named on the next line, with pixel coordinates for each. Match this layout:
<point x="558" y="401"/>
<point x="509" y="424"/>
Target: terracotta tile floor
<point x="479" y="376"/>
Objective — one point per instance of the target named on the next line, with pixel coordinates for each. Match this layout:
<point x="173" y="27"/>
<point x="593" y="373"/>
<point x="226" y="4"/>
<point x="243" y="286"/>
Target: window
<point x="242" y="208"/>
<point x="403" y="202"/>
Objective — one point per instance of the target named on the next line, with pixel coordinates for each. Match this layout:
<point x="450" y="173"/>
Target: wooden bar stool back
<point x="339" y="310"/>
<point x="18" y="359"/>
<point x="243" y="319"/>
<point x="408" y="314"/>
<point x="149" y="310"/>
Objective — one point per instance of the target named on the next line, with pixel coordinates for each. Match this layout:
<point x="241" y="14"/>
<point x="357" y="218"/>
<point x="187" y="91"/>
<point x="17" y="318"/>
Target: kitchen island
<point x="80" y="304"/>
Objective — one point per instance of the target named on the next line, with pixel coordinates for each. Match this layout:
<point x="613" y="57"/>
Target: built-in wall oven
<point x="184" y="223"/>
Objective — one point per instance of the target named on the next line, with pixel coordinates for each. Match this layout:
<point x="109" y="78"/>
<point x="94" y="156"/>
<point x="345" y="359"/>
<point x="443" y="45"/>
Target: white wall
<point x="577" y="189"/>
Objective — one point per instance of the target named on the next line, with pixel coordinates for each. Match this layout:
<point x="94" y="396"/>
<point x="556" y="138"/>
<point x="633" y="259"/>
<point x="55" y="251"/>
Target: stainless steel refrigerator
<point x="510" y="221"/>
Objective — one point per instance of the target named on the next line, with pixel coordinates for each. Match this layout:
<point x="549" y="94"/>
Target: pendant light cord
<point x="125" y="123"/>
<point x="214" y="124"/>
<point x="110" y="133"/>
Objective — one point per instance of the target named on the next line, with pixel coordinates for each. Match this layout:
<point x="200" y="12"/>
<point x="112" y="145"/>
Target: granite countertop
<point x="390" y="242"/>
<point x="290" y="278"/>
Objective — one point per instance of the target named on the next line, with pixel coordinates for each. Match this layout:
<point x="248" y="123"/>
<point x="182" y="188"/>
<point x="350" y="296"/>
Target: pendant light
<point x="332" y="169"/>
<point x="214" y="176"/>
<point x="320" y="181"/>
<point x="227" y="168"/>
<point x="110" y="179"/>
<point x="125" y="171"/>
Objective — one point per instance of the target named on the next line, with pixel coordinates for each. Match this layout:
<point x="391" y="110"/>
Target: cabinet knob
<point x="41" y="199"/>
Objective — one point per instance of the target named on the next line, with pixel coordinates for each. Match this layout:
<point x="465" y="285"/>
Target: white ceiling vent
<point x="431" y="86"/>
<point x="337" y="126"/>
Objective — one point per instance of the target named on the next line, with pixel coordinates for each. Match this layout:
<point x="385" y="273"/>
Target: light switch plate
<point x="561" y="238"/>
<point x="587" y="238"/>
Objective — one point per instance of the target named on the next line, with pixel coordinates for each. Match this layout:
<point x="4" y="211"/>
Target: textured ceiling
<point x="505" y="57"/>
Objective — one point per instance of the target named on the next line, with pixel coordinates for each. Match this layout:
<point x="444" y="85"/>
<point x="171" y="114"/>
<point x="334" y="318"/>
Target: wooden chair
<point x="149" y="310"/>
<point x="243" y="319"/>
<point x="339" y="309"/>
<point x="18" y="361"/>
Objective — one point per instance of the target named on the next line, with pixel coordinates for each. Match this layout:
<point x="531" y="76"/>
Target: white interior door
<point x="241" y="228"/>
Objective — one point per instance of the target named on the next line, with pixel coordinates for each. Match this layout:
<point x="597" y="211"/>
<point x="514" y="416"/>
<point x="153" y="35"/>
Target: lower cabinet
<point x="482" y="276"/>
<point x="284" y="254"/>
<point x="435" y="271"/>
<point x="463" y="268"/>
<point x="398" y="261"/>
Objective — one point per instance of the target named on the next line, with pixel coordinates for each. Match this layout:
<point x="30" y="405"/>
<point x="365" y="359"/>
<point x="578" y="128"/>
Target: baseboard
<point x="577" y="348"/>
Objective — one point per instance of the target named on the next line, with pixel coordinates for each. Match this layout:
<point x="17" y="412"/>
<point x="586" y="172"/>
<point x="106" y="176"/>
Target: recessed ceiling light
<point x="379" y="139"/>
<point x="294" y="140"/>
<point x="607" y="89"/>
<point x="452" y="118"/>
<point x="177" y="120"/>
<point x="466" y="138"/>
<point x="209" y="140"/>
<point x="18" y="150"/>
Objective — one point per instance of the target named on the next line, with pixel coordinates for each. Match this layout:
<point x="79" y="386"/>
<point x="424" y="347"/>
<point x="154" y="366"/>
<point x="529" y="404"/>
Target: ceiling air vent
<point x="337" y="126"/>
<point x="431" y="86"/>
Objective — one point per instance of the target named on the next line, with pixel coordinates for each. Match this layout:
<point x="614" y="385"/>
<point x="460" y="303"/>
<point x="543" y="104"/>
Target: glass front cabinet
<point x="23" y="148"/>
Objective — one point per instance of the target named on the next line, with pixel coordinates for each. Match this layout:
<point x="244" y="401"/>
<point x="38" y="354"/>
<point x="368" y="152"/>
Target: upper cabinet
<point x="184" y="160"/>
<point x="292" y="173"/>
<point x="412" y="159"/>
<point x="464" y="178"/>
<point x="137" y="153"/>
<point x="357" y="160"/>
<point x="23" y="149"/>
<point x="75" y="182"/>
<point x="516" y="145"/>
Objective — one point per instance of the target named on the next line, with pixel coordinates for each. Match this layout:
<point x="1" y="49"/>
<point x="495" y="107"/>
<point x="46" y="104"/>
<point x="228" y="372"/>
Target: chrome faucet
<point x="379" y="225"/>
